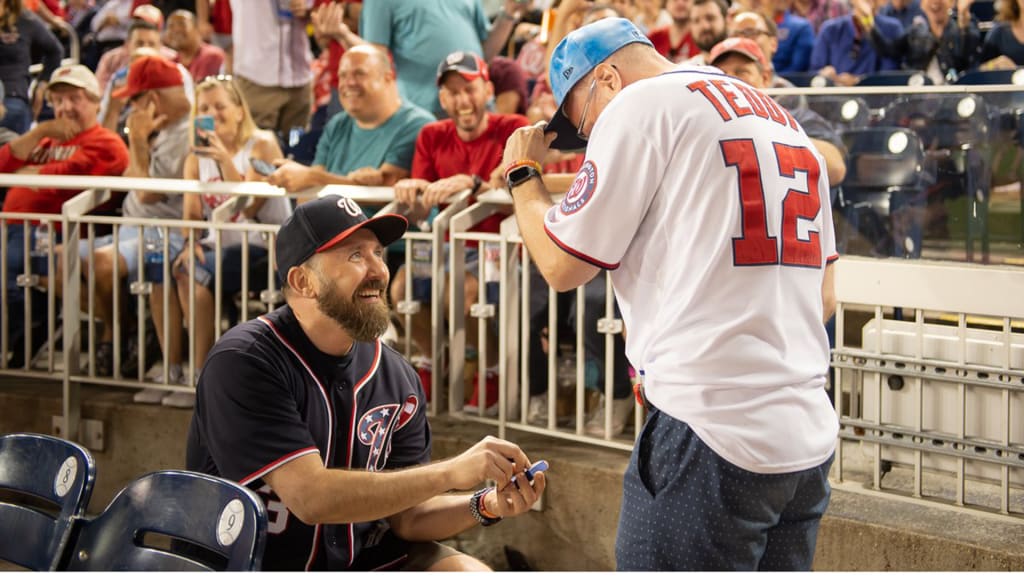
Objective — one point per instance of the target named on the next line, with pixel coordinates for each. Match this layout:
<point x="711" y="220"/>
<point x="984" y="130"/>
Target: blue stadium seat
<point x="987" y="77"/>
<point x="45" y="482"/>
<point x="175" y="521"/>
<point x="884" y="174"/>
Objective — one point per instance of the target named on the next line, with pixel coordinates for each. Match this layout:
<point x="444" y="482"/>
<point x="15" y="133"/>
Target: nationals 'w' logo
<point x="376" y="426"/>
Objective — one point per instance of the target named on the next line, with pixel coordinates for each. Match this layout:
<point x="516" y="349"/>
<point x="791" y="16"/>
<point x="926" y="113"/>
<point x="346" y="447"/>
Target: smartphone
<point x="262" y="167"/>
<point x="538" y="466"/>
<point x="206" y="124"/>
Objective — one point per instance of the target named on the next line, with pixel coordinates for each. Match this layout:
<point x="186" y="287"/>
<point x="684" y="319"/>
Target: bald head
<point x="374" y="57"/>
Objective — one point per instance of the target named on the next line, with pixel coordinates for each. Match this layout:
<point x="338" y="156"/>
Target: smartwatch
<point x="520" y="174"/>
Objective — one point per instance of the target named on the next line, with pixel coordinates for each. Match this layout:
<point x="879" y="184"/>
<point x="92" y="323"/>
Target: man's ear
<point x="300" y="280"/>
<point x="608" y="75"/>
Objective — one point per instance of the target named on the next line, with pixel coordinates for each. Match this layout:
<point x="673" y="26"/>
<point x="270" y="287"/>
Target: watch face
<point x="520" y="175"/>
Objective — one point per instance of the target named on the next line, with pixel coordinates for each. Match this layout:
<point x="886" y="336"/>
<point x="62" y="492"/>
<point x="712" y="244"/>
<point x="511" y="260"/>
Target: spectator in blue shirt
<point x="796" y="40"/>
<point x="843" y="52"/>
<point x="943" y="44"/>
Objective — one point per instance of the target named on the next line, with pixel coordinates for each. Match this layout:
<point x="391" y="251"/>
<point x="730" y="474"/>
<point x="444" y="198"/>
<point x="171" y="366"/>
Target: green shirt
<point x="345" y="147"/>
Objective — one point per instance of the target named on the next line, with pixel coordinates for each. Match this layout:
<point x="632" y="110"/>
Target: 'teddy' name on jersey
<point x="736" y="100"/>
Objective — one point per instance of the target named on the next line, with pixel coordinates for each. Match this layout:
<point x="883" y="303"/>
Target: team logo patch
<point x="349" y="205"/>
<point x="582" y="189"/>
<point x="374" y="430"/>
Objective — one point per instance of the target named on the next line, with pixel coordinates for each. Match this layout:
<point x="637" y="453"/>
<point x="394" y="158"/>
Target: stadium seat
<point x="45" y="482"/>
<point x="175" y="521"/>
<point x="885" y="172"/>
<point x="955" y="132"/>
<point x="896" y="78"/>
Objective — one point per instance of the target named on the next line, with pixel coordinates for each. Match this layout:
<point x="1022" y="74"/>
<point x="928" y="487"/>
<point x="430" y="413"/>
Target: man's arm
<point x="507" y="19"/>
<point x="532" y="200"/>
<point x="835" y="161"/>
<point x="318" y="495"/>
<point x="293" y="176"/>
<point x="142" y="123"/>
<point x="828" y="292"/>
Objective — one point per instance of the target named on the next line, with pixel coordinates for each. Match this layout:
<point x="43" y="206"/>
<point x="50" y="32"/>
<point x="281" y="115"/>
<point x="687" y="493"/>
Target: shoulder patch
<point x="582" y="189"/>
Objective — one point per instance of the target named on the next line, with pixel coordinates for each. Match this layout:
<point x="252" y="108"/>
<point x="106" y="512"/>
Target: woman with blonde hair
<point x="223" y="154"/>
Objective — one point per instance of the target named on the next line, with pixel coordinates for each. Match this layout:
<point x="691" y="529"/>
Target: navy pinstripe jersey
<point x="267" y="395"/>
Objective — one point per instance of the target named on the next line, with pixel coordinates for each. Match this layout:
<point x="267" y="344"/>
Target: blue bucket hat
<point x="574" y="57"/>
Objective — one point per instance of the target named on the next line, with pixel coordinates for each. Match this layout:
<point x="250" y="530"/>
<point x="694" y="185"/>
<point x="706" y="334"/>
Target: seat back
<point x="45" y="483"/>
<point x="942" y="121"/>
<point x="843" y="112"/>
<point x="211" y="523"/>
<point x="885" y="159"/>
<point x="807" y="79"/>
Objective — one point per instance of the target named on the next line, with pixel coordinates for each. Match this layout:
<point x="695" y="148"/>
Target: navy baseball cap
<point x="574" y="57"/>
<point x="318" y="225"/>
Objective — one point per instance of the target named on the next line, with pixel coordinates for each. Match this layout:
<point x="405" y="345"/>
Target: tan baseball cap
<point x="76" y="75"/>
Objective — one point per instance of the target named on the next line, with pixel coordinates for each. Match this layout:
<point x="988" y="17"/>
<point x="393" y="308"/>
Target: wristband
<point x="479" y="512"/>
<point x="520" y="163"/>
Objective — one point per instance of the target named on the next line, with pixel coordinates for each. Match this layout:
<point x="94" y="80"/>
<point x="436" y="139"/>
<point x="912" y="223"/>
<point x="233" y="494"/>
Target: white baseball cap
<point x="76" y="75"/>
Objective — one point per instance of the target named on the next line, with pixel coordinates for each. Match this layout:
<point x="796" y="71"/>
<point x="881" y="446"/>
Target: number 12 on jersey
<point x="757" y="246"/>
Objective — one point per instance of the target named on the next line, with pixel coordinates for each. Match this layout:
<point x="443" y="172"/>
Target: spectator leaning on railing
<point x="73" y="143"/>
<point x="158" y="135"/>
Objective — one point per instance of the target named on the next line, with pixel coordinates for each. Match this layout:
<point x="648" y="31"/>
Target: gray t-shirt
<point x="166" y="160"/>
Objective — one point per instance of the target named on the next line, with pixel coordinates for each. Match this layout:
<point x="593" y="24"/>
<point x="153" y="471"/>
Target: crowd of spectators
<point x="416" y="95"/>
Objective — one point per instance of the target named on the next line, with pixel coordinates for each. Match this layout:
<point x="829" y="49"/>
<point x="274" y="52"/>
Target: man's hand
<point x="328" y="20"/>
<point x="527" y="143"/>
<point x="490" y="459"/>
<point x="143" y="121"/>
<point x="407" y="189"/>
<point x="437" y="192"/>
<point x="367" y="176"/>
<point x="60" y="129"/>
<point x="290" y="175"/>
<point x="516" y="497"/>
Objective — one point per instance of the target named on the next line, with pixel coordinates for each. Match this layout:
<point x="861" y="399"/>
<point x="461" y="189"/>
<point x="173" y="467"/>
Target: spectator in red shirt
<point x="73" y="143"/>
<point x="452" y="155"/>
<point x="200" y="58"/>
<point x="675" y="41"/>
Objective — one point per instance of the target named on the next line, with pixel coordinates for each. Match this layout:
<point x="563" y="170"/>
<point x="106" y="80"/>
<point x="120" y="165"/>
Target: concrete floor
<point x="576" y="529"/>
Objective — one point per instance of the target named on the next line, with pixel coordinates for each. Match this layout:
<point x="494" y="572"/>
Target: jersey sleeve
<point x="94" y="157"/>
<point x="247" y="416"/>
<point x="613" y="189"/>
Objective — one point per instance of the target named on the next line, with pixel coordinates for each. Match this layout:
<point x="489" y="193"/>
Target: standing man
<point x="272" y="70"/>
<point x="200" y="58"/>
<point x="308" y="408"/>
<point x="711" y="209"/>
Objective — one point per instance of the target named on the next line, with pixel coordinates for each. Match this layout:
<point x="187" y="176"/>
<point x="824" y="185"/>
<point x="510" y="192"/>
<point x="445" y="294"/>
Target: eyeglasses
<point x="751" y="33"/>
<point x="586" y="108"/>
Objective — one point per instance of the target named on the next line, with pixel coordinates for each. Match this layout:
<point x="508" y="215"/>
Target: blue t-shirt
<point x="420" y="33"/>
<point x="345" y="146"/>
<point x="1000" y="41"/>
<point x="796" y="40"/>
<point x="838" y="46"/>
<point x="905" y="15"/>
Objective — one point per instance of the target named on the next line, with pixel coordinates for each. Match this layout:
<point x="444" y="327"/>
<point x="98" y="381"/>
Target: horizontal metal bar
<point x="966" y="448"/>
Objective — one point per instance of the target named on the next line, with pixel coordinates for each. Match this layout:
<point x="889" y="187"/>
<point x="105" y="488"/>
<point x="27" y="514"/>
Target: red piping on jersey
<point x="276" y="463"/>
<point x="330" y="428"/>
<point x="352" y="433"/>
<point x="394" y="562"/>
<point x="578" y="254"/>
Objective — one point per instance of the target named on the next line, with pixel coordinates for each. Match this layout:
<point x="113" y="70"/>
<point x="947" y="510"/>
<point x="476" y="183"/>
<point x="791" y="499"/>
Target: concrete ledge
<point x="576" y="529"/>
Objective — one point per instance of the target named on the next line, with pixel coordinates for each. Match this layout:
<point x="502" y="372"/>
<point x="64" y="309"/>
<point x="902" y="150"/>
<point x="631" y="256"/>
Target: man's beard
<point x="706" y="46"/>
<point x="361" y="320"/>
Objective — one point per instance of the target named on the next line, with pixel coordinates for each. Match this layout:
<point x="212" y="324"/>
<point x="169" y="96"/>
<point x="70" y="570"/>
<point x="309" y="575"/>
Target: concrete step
<point x="576" y="528"/>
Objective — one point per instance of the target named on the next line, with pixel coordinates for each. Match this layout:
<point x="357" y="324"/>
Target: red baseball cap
<point x="149" y="73"/>
<point x="468" y="65"/>
<point x="743" y="46"/>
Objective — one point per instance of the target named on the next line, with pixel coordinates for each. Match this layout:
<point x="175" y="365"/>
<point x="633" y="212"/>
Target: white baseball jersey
<point x="711" y="207"/>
